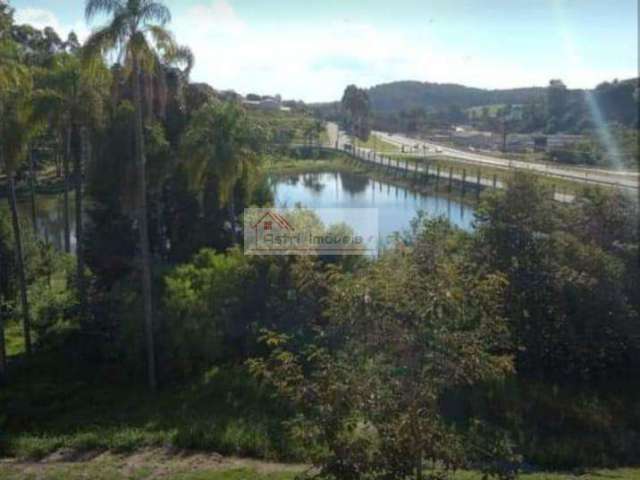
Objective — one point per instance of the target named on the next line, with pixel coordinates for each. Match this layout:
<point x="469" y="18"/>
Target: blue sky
<point x="311" y="49"/>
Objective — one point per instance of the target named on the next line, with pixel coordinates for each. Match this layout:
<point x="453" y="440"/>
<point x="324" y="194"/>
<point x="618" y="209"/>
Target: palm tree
<point x="15" y="80"/>
<point x="219" y="146"/>
<point x="73" y="93"/>
<point x="15" y="133"/>
<point x="136" y="30"/>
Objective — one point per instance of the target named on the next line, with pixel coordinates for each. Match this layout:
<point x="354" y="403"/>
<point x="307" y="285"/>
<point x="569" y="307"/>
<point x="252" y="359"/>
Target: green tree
<point x="16" y="131"/>
<point x="7" y="281"/>
<point x="370" y="384"/>
<point x="557" y="105"/>
<point x="219" y="146"/>
<point x="137" y="29"/>
<point x="71" y="95"/>
<point x="571" y="270"/>
<point x="355" y="102"/>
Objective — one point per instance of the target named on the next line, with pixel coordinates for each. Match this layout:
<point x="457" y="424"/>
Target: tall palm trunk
<point x="143" y="226"/>
<point x="232" y="219"/>
<point x="79" y="160"/>
<point x="160" y="227"/>
<point x="32" y="191"/>
<point x="26" y="323"/>
<point x="65" y="169"/>
<point x="3" y="351"/>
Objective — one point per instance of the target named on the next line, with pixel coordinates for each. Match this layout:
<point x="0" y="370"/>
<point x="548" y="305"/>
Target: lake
<point x="396" y="205"/>
<point x="49" y="217"/>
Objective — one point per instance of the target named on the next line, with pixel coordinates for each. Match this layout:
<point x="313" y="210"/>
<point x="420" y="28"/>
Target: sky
<point x="312" y="49"/>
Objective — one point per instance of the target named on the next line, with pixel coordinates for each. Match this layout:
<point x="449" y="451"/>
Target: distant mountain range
<point x="406" y="95"/>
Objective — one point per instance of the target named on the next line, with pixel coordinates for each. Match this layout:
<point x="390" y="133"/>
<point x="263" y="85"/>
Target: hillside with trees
<point x="149" y="345"/>
<point x="410" y="105"/>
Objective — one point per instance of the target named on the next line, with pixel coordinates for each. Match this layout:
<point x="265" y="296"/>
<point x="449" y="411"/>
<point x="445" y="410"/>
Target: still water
<point x="397" y="206"/>
<point x="49" y="217"/>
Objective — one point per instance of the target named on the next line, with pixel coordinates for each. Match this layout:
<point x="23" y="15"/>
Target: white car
<point x="438" y="150"/>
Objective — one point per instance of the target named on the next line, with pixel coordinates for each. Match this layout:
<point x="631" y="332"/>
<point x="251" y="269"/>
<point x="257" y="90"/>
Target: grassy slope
<point x="379" y="144"/>
<point x="333" y="163"/>
<point x="224" y="411"/>
<point x="185" y="468"/>
<point x="445" y="163"/>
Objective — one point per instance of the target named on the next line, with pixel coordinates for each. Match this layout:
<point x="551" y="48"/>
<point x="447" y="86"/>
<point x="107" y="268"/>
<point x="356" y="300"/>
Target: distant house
<point x="563" y="140"/>
<point x="265" y="103"/>
<point x="228" y="95"/>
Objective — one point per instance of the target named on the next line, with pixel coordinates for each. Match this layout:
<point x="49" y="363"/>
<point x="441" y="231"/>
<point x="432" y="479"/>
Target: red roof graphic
<point x="277" y="218"/>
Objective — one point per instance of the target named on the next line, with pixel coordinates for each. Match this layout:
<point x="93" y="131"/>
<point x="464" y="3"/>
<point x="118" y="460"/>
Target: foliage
<point x="355" y="104"/>
<point x="204" y="302"/>
<point x="222" y="410"/>
<point x="220" y="143"/>
<point x="514" y="346"/>
<point x="55" y="303"/>
<point x="369" y="386"/>
<point x="569" y="296"/>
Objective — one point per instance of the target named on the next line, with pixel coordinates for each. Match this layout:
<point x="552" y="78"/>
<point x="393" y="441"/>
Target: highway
<point x="628" y="180"/>
<point x="338" y="139"/>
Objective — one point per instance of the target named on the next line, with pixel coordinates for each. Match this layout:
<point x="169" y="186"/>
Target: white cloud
<point x="41" y="18"/>
<point x="217" y="16"/>
<point x="316" y="62"/>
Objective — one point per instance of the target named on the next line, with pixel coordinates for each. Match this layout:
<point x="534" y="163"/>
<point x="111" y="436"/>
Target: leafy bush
<point x="394" y="338"/>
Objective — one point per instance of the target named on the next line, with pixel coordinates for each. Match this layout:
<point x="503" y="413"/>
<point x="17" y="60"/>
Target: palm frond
<point x="105" y="39"/>
<point x="94" y="7"/>
<point x="16" y="130"/>
<point x="151" y="11"/>
<point x="183" y="55"/>
<point x="140" y="50"/>
<point x="162" y="38"/>
<point x="13" y="73"/>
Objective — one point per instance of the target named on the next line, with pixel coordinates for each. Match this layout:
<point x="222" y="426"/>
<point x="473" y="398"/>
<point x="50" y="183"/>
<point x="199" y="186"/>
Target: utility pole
<point x="504" y="135"/>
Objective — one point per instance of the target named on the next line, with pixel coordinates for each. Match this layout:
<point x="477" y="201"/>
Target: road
<point x="337" y="139"/>
<point x="624" y="179"/>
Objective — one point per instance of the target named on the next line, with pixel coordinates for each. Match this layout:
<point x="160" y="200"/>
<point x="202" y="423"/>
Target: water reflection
<point x="49" y="218"/>
<point x="354" y="184"/>
<point x="396" y="205"/>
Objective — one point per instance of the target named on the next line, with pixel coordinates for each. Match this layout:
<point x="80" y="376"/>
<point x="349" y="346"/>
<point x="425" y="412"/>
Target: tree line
<point x="514" y="344"/>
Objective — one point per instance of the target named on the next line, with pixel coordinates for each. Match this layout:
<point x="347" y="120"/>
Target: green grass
<point x="113" y="471"/>
<point x="225" y="411"/>
<point x="620" y="474"/>
<point x="290" y="165"/>
<point x="378" y="144"/>
<point x="501" y="174"/>
<point x="114" y="468"/>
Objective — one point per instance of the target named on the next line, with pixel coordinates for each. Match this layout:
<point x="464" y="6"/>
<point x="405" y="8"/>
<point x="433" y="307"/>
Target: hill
<point x="405" y="105"/>
<point x="406" y="95"/>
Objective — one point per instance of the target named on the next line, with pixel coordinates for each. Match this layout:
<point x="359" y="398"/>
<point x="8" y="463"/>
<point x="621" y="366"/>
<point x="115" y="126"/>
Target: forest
<point x="414" y="107"/>
<point x="509" y="349"/>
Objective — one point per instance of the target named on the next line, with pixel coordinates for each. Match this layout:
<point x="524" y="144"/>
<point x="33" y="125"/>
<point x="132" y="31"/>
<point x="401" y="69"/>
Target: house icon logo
<point x="269" y="222"/>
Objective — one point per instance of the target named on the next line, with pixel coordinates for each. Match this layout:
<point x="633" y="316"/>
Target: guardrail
<point x="448" y="176"/>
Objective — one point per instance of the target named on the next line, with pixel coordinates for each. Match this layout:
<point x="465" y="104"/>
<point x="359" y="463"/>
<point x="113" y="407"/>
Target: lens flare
<point x="575" y="63"/>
